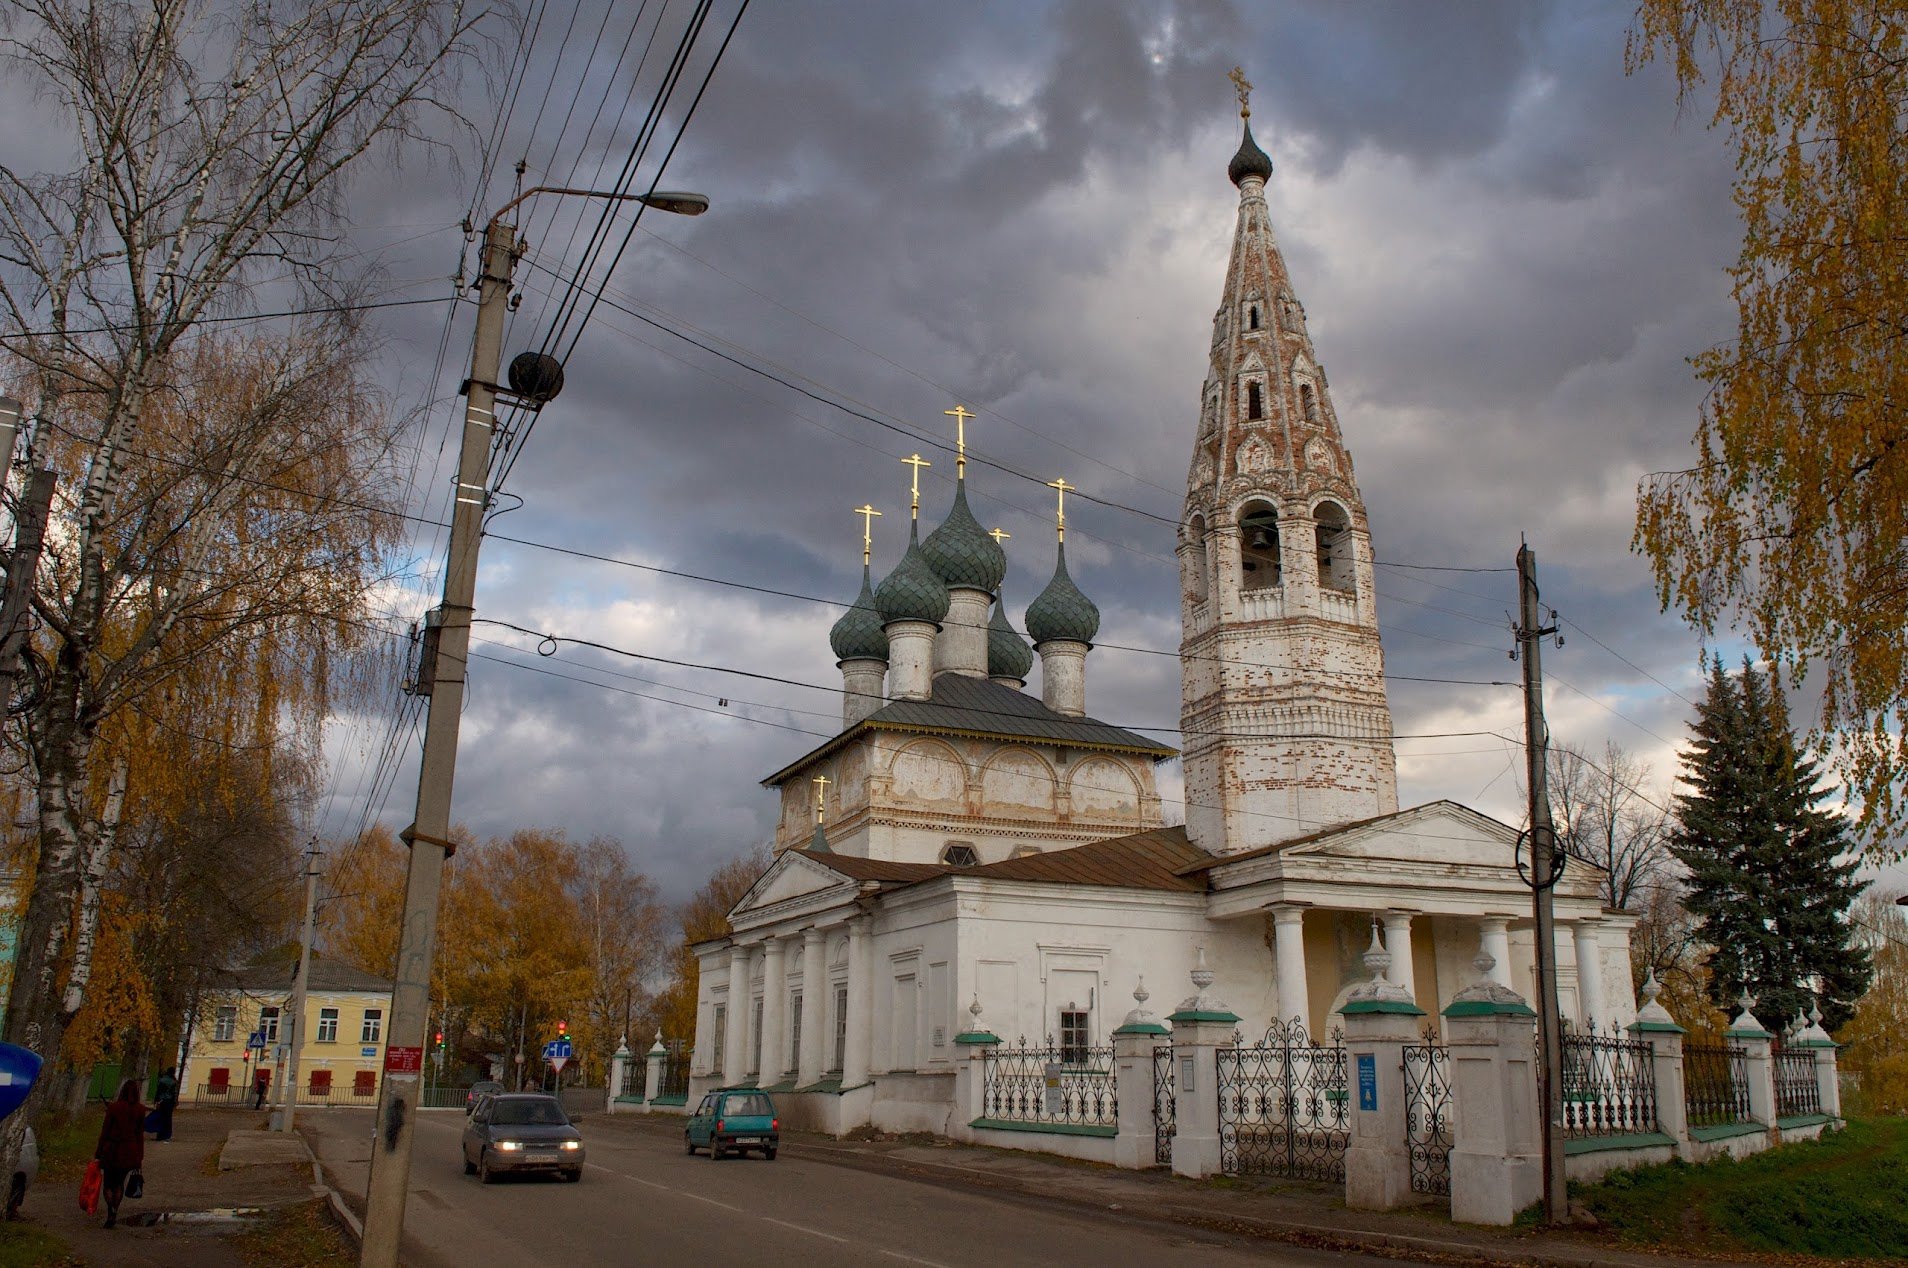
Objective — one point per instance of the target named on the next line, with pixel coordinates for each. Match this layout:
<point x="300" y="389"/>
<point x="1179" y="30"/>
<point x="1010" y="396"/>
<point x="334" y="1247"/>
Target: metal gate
<point x="1282" y="1106"/>
<point x="1427" y="1077"/>
<point x="1164" y="1089"/>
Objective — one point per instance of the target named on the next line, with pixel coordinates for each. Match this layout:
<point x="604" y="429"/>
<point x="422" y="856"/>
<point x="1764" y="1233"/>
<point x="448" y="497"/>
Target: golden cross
<point x="917" y="462"/>
<point x="1243" y="87"/>
<point x="867" y="514"/>
<point x="821" y="792"/>
<point x="1061" y="520"/>
<point x="999" y="535"/>
<point x="960" y="414"/>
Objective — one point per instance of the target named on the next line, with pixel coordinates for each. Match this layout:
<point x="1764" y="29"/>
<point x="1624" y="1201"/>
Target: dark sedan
<point x="518" y="1132"/>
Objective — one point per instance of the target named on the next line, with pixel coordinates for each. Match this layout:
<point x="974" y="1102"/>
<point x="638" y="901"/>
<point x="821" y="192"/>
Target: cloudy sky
<point x="1506" y="248"/>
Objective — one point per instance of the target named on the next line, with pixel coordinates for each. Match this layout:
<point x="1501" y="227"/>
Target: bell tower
<point x="1286" y="726"/>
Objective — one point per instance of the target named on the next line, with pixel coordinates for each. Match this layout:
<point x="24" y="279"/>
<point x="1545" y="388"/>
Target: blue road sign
<point x="256" y="1040"/>
<point x="19" y="1067"/>
<point x="558" y="1048"/>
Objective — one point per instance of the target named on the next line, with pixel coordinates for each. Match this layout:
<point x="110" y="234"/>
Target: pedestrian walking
<point x="165" y="1099"/>
<point x="261" y="1084"/>
<point x="122" y="1146"/>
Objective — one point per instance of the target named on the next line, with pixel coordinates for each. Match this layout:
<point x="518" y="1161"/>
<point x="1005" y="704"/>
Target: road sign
<point x="18" y="1068"/>
<point x="402" y="1060"/>
<point x="558" y="1052"/>
<point x="256" y="1040"/>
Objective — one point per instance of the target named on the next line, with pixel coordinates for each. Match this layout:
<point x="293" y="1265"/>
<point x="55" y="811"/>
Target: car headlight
<point x="509" y="1146"/>
<point x="573" y="1144"/>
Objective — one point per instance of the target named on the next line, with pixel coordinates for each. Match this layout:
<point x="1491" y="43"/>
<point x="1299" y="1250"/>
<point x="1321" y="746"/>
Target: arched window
<point x="960" y="854"/>
<point x="1308" y="400"/>
<point x="1255" y="401"/>
<point x="1258" y="549"/>
<point x="1252" y="317"/>
<point x="1335" y="562"/>
<point x="1196" y="576"/>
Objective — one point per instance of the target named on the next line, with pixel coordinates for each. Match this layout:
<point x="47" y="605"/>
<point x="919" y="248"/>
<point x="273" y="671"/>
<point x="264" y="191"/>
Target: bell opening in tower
<point x="1259" y="549"/>
<point x="1334" y="548"/>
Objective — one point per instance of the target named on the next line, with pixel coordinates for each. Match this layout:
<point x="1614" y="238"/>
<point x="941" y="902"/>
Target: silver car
<point x="521" y="1131"/>
<point x="28" y="1172"/>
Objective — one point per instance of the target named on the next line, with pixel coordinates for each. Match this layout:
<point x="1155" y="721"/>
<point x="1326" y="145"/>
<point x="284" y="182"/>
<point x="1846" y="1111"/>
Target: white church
<point x="965" y="856"/>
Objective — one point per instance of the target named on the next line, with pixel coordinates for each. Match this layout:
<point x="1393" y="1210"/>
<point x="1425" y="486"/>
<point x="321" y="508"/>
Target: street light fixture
<point x="429" y="834"/>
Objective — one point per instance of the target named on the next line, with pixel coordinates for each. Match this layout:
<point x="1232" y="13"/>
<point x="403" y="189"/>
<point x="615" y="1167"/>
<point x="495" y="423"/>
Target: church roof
<point x="961" y="705"/>
<point x="881" y="871"/>
<point x="961" y="553"/>
<point x="1061" y="611"/>
<point x="913" y="591"/>
<point x="858" y="634"/>
<point x="1008" y="655"/>
<point x="1249" y="161"/>
<point x="1145" y="860"/>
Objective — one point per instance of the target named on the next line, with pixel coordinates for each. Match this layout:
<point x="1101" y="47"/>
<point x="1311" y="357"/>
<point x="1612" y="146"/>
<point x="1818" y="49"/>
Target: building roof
<point x="881" y="871"/>
<point x="1061" y="611"/>
<point x="961" y="705"/>
<point x="278" y="970"/>
<point x="1144" y="860"/>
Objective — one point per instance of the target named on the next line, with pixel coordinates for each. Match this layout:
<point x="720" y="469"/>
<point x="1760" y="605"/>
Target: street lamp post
<point x="428" y="835"/>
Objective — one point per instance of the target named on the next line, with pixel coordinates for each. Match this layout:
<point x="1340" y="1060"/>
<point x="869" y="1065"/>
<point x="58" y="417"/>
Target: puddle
<point x="218" y="1218"/>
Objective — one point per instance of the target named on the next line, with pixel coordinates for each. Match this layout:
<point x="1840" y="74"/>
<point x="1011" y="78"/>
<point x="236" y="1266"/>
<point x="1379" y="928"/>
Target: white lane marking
<point x="769" y="1219"/>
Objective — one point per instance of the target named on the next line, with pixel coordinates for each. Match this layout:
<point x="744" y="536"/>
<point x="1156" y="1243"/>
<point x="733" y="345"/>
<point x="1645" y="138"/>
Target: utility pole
<point x="1545" y="868"/>
<point x="429" y="833"/>
<point x="300" y="985"/>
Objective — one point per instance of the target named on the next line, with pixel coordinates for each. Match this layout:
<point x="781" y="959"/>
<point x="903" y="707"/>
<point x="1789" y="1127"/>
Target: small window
<point x="225" y="1024"/>
<point x="373" y="1029"/>
<point x="327" y="1025"/>
<point x="794" y="1032"/>
<point x="1259" y="550"/>
<point x="718" y="1035"/>
<point x="1255" y="401"/>
<point x="841" y="1028"/>
<point x="1074" y="1036"/>
<point x="1308" y="401"/>
<point x="1252" y="318"/>
<point x="960" y="854"/>
<point x="268" y="1023"/>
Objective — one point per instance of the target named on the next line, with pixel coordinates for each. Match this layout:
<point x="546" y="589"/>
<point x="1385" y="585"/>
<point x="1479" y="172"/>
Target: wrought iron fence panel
<point x="1282" y="1107"/>
<point x="675" y="1076"/>
<point x="1796" y="1091"/>
<point x="1609" y="1086"/>
<point x="1165" y="1089"/>
<point x="1428" y="1126"/>
<point x="1070" y="1086"/>
<point x="1715" y="1084"/>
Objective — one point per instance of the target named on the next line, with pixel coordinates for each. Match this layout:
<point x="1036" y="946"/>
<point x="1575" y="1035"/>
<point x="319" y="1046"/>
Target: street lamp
<point x="429" y="834"/>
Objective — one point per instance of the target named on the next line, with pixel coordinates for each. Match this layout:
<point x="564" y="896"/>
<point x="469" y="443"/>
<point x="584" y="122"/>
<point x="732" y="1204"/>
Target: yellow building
<point x="347" y="1014"/>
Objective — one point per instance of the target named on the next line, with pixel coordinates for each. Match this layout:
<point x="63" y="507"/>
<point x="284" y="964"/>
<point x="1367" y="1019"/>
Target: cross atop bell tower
<point x="1287" y="728"/>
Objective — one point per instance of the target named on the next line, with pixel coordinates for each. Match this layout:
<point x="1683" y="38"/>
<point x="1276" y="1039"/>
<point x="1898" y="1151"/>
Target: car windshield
<point x="527" y="1114"/>
<point x="753" y="1104"/>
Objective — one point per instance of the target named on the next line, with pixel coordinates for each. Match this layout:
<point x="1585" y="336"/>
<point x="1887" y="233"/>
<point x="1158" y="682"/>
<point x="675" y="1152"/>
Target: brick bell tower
<point x="1287" y="729"/>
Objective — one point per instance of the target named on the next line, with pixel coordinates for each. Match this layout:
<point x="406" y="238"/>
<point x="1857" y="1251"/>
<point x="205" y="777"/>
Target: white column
<point x="961" y="646"/>
<point x="1589" y="973"/>
<point x="1288" y="941"/>
<point x="1398" y="943"/>
<point x="808" y="1069"/>
<point x="855" y="1062"/>
<point x="911" y="659"/>
<point x="1063" y="676"/>
<point x="774" y="1006"/>
<point x="1494" y="938"/>
<point x="735" y="1038"/>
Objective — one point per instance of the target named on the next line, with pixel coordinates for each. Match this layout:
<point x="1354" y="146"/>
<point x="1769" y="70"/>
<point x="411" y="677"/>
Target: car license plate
<point x="539" y="1157"/>
<point x="748" y="1140"/>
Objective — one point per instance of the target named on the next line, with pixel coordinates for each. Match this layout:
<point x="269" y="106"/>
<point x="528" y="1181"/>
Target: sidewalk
<point x="1296" y="1212"/>
<point x="217" y="1162"/>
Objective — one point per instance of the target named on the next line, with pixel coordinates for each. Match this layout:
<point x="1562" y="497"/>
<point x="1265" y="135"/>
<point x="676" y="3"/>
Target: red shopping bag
<point x="89" y="1187"/>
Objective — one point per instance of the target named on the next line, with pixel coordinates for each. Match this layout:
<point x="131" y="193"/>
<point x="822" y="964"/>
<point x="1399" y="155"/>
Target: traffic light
<point x="440" y="1038"/>
<point x="563" y="1029"/>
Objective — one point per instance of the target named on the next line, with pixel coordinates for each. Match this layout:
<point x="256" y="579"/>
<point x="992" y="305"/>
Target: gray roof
<point x="277" y="970"/>
<point x="974" y="706"/>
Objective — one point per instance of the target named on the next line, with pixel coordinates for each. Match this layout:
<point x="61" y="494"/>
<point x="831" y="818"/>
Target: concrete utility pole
<point x="299" y="986"/>
<point x="1545" y="867"/>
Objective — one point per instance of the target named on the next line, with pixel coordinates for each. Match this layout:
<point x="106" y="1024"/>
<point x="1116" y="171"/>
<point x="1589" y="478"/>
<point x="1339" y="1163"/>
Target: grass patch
<point x="1843" y="1196"/>
<point x="300" y="1236"/>
<point x="25" y="1246"/>
<point x="67" y="1146"/>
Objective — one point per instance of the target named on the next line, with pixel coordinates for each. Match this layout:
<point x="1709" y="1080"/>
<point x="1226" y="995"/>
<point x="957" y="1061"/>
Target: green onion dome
<point x="858" y="635"/>
<point x="961" y="553"/>
<point x="1008" y="655"/>
<point x="1061" y="611"/>
<point x="913" y="591"/>
<point x="1249" y="161"/>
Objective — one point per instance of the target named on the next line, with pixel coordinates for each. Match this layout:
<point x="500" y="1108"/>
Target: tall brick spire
<point x="1287" y="729"/>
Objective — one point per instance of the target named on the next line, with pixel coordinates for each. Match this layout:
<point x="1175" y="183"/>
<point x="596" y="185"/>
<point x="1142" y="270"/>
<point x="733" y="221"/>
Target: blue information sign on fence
<point x="1367" y="1081"/>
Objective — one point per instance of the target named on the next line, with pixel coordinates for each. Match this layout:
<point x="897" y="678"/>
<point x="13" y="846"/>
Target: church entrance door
<point x="1282" y="1106"/>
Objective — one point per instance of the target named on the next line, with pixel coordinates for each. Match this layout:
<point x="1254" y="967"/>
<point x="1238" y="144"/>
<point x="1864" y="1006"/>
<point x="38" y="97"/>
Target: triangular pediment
<point x="793" y="875"/>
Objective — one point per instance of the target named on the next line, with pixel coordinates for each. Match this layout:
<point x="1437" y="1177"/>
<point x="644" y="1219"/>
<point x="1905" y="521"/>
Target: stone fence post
<point x="970" y="1077"/>
<point x="1827" y="1082"/>
<point x="1133" y="1045"/>
<point x="1380" y="1020"/>
<point x="1759" y="1061"/>
<point x="653" y="1075"/>
<point x="1497" y="1164"/>
<point x="619" y="1075"/>
<point x="1201" y="1026"/>
<point x="1655" y="1026"/>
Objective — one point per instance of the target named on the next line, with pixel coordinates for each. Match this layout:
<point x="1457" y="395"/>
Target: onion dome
<point x="857" y="635"/>
<point x="913" y="591"/>
<point x="1008" y="655"/>
<point x="1249" y="161"/>
<point x="961" y="553"/>
<point x="1061" y="611"/>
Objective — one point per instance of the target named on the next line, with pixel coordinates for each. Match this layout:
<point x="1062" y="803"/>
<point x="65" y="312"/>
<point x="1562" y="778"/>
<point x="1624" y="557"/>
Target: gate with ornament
<point x="1283" y="1106"/>
<point x="1164" y="1089"/>
<point x="1428" y="1120"/>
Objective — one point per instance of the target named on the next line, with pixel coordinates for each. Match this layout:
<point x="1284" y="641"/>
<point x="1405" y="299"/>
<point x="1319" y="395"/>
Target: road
<point x="642" y="1200"/>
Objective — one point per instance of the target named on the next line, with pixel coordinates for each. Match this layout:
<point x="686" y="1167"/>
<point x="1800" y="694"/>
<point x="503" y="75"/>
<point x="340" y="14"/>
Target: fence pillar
<point x="1201" y="1026"/>
<point x="970" y="1078"/>
<point x="1827" y="1082"/>
<point x="1133" y="1045"/>
<point x="1380" y="1020"/>
<point x="1758" y="1061"/>
<point x="620" y="1063"/>
<point x="653" y="1076"/>
<point x="1497" y="1164"/>
<point x="1654" y="1025"/>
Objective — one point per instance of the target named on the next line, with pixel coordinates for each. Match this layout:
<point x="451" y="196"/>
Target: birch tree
<point x="211" y="144"/>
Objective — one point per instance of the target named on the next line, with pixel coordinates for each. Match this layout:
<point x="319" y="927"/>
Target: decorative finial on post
<point x="867" y="514"/>
<point x="916" y="461"/>
<point x="1242" y="88"/>
<point x="1139" y="992"/>
<point x="1376" y="958"/>
<point x="960" y="414"/>
<point x="1201" y="975"/>
<point x="1484" y="962"/>
<point x="1060" y="514"/>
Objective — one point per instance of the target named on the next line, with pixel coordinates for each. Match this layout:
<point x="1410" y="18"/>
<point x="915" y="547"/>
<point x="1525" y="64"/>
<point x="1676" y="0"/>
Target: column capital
<point x="1495" y="924"/>
<point x="1288" y="913"/>
<point x="1397" y="916"/>
<point x="813" y="936"/>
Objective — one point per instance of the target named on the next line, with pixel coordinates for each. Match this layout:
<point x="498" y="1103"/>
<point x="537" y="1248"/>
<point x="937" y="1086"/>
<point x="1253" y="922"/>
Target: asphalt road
<point x="642" y="1200"/>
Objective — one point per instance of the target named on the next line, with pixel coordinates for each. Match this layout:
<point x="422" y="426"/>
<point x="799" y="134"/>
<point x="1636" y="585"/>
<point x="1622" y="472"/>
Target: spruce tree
<point x="1771" y="873"/>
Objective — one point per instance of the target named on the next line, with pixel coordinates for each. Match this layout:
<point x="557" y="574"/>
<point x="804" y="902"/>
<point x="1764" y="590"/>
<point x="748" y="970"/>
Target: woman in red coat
<point x="122" y="1145"/>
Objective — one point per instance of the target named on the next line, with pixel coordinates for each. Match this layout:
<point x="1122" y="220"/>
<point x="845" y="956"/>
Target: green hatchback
<point x="734" y="1120"/>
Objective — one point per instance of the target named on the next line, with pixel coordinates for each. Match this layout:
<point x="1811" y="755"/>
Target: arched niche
<point x="1336" y="566"/>
<point x="1103" y="789"/>
<point x="928" y="772"/>
<point x="1018" y="779"/>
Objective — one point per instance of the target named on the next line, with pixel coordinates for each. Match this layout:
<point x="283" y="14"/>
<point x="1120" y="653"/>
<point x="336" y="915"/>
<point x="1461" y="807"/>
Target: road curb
<point x="335" y="1201"/>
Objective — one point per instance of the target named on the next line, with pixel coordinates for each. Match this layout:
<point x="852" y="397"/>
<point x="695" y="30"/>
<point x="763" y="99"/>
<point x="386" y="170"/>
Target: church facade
<point x="965" y="857"/>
